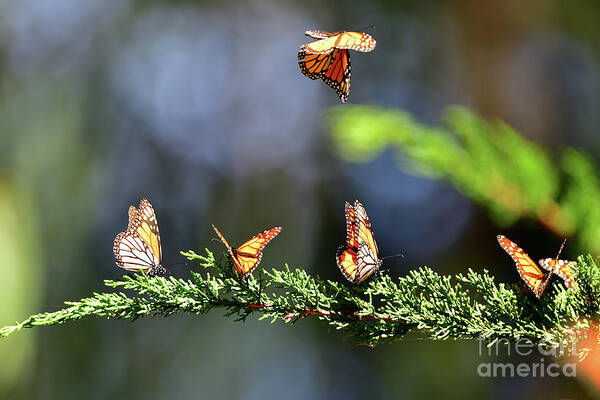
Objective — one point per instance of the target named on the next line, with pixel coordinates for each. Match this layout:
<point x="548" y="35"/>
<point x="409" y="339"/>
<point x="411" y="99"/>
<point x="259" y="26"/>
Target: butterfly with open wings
<point x="247" y="257"/>
<point x="531" y="274"/>
<point x="328" y="57"/>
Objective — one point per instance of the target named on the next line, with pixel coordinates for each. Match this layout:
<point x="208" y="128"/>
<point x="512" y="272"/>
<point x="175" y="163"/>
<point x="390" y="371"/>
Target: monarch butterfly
<point x="328" y="58"/>
<point x="358" y="258"/>
<point x="138" y="248"/>
<point x="527" y="268"/>
<point x="247" y="257"/>
<point x="563" y="268"/>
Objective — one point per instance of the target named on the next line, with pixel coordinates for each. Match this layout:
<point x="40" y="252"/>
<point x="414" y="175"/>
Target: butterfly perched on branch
<point x="247" y="257"/>
<point x="531" y="274"/>
<point x="328" y="58"/>
<point x="139" y="247"/>
<point x="359" y="257"/>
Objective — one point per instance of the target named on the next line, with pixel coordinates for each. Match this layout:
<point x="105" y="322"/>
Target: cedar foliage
<point x="384" y="309"/>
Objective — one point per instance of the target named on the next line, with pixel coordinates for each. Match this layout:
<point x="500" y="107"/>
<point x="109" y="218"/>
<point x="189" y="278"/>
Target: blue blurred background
<point x="201" y="107"/>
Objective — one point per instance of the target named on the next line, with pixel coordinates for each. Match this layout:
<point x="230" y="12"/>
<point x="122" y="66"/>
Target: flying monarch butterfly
<point x="563" y="268"/>
<point x="328" y="58"/>
<point x="138" y="248"/>
<point x="359" y="257"/>
<point x="247" y="257"/>
<point x="527" y="268"/>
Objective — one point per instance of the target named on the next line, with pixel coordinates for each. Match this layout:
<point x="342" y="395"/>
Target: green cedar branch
<point x="383" y="309"/>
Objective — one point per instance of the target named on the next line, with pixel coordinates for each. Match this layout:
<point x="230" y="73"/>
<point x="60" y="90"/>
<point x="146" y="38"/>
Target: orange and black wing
<point x="350" y="226"/>
<point x="133" y="254"/>
<point x="346" y="259"/>
<point x="333" y="68"/>
<point x="346" y="255"/>
<point x="229" y="249"/>
<point x="339" y="73"/>
<point x="248" y="255"/>
<point x="132" y="213"/>
<point x="364" y="231"/>
<point x="145" y="225"/>
<point x="528" y="270"/>
<point x="367" y="261"/>
<point x="563" y="268"/>
<point x="368" y="254"/>
<point x="314" y="65"/>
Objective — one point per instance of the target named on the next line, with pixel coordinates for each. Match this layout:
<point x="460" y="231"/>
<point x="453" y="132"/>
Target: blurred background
<point x="201" y="107"/>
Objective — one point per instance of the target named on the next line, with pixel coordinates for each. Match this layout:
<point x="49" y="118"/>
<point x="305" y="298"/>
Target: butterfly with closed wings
<point x="359" y="257"/>
<point x="139" y="247"/>
<point x="328" y="58"/>
<point x="247" y="257"/>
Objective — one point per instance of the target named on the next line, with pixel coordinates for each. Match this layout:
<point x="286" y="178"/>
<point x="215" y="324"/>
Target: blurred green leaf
<point x="21" y="280"/>
<point x="489" y="162"/>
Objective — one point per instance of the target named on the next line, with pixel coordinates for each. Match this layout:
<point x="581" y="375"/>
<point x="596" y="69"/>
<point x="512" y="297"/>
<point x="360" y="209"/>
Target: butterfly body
<point x="359" y="257"/>
<point x="247" y="257"/>
<point x="531" y="274"/>
<point x="328" y="58"/>
<point x="138" y="249"/>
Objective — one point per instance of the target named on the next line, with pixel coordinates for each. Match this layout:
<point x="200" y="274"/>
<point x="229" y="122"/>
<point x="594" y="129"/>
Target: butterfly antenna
<point x="365" y="28"/>
<point x="545" y="283"/>
<point x="560" y="250"/>
<point x="172" y="265"/>
<point x="395" y="255"/>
